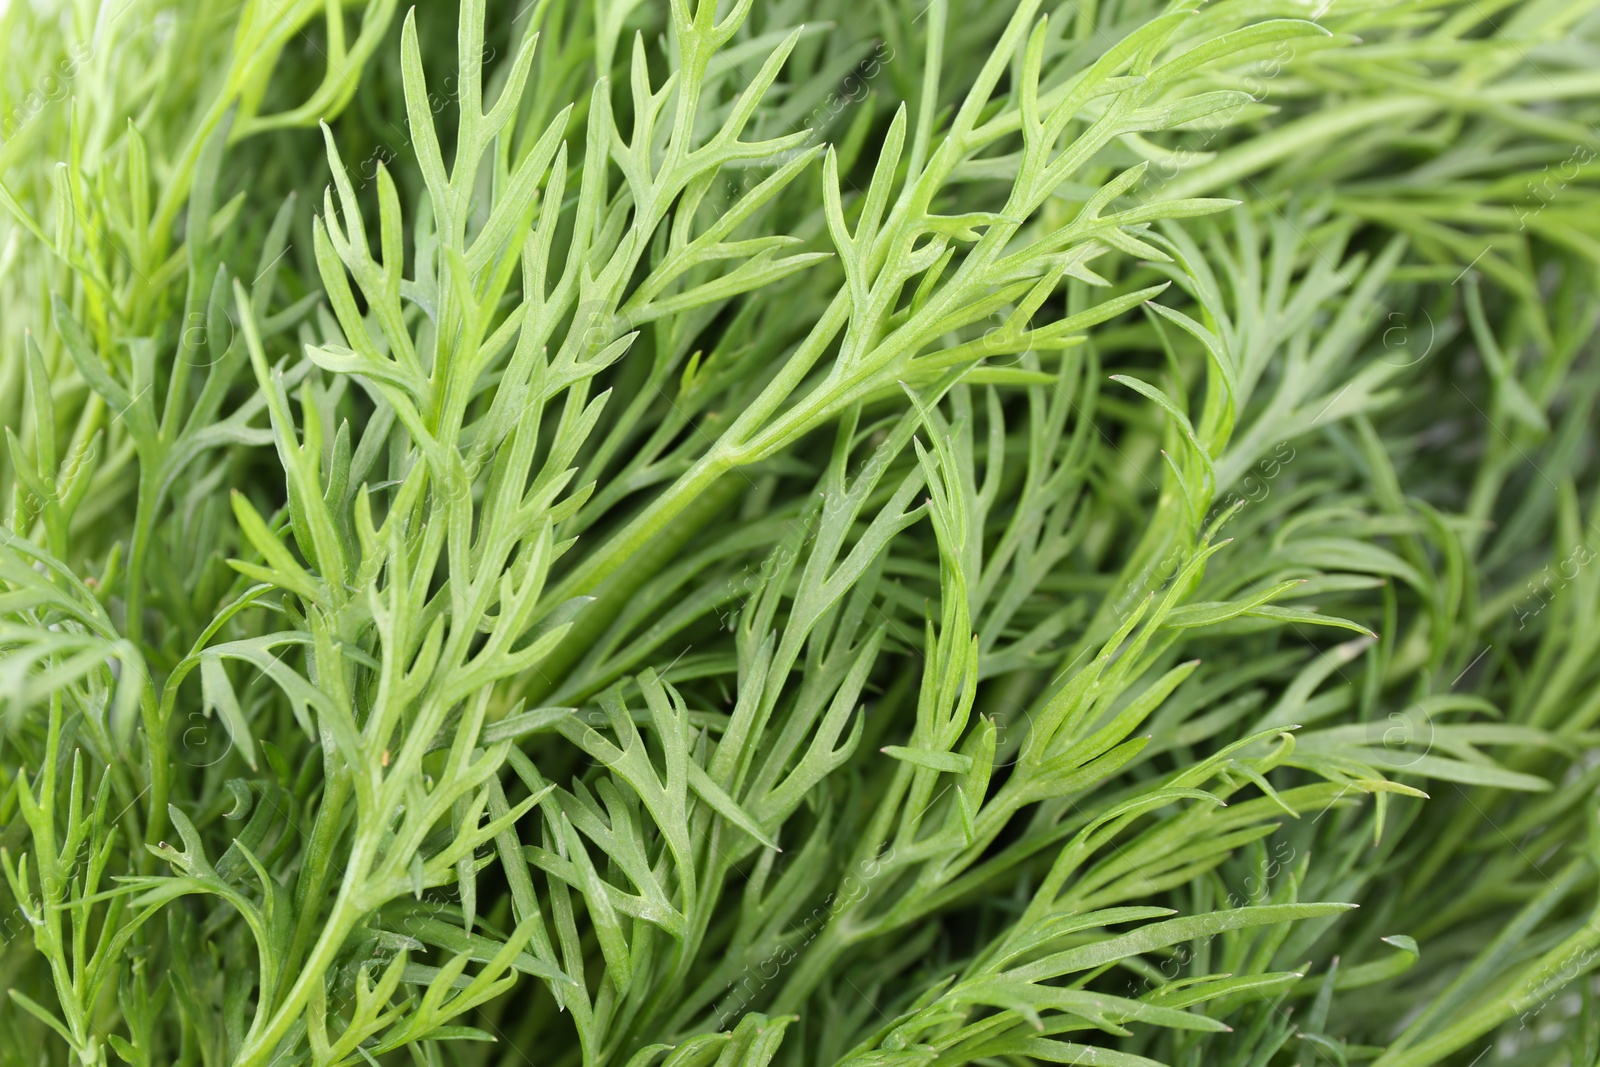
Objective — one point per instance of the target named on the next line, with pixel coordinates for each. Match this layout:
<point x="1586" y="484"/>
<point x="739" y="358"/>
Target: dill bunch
<point x="799" y="533"/>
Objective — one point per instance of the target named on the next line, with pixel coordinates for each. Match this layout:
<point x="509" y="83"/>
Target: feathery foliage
<point x="799" y="533"/>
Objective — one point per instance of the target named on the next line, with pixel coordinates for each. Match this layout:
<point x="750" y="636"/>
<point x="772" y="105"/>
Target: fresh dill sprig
<point x="798" y="533"/>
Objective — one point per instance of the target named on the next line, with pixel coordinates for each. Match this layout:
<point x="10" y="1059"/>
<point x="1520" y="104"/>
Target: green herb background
<point x="657" y="533"/>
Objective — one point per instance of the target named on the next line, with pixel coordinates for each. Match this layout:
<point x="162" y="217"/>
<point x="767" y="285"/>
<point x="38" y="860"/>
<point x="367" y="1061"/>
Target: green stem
<point x="144" y="517"/>
<point x="729" y="452"/>
<point x="639" y="551"/>
<point x="156" y="740"/>
<point x="313" y="880"/>
<point x="259" y="1047"/>
<point x="348" y="910"/>
<point x="1307" y="134"/>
